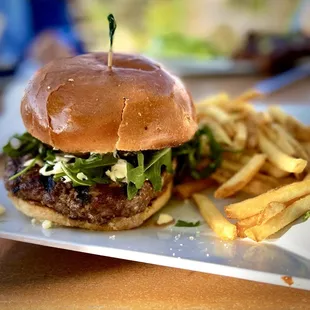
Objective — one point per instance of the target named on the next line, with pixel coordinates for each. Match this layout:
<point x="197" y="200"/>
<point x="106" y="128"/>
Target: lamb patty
<point x="96" y="204"/>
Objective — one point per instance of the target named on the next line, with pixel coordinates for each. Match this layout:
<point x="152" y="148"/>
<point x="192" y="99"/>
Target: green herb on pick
<point x="112" y="28"/>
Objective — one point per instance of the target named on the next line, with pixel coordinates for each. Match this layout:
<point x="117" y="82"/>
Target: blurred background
<point x="202" y="36"/>
<point x="251" y="39"/>
<point x="189" y="36"/>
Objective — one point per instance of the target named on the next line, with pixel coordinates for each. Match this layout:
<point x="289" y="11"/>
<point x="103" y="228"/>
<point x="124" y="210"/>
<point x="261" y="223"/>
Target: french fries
<point x="266" y="155"/>
<point x="282" y="219"/>
<point x="254" y="187"/>
<point x="241" y="136"/>
<point x="244" y="224"/>
<point x="217" y="113"/>
<point x="241" y="178"/>
<point x="186" y="190"/>
<point x="280" y="159"/>
<point x="275" y="135"/>
<point x="271" y="210"/>
<point x="248" y="95"/>
<point x="218" y="131"/>
<point x="252" y="206"/>
<point x="284" y="135"/>
<point x="221" y="226"/>
<point x="277" y="114"/>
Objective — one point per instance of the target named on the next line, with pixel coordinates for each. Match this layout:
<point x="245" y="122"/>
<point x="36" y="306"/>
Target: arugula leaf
<point x="29" y="145"/>
<point x="136" y="176"/>
<point x="153" y="169"/>
<point x="71" y="174"/>
<point x="181" y="223"/>
<point x="50" y="156"/>
<point x="95" y="161"/>
<point x="215" y="153"/>
<point x="24" y="170"/>
<point x="101" y="180"/>
<point x="306" y="215"/>
<point x="132" y="190"/>
<point x="191" y="153"/>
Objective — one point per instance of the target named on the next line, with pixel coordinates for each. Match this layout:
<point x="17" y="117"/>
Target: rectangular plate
<point x="188" y="248"/>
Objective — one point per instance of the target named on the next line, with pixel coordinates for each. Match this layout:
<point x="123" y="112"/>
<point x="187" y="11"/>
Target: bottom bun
<point x="119" y="223"/>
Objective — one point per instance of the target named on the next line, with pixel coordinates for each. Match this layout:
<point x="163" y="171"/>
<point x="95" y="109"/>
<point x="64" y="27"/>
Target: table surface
<point x="36" y="277"/>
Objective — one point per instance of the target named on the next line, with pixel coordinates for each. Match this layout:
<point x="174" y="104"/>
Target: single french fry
<point x="254" y="187"/>
<point x="300" y="131"/>
<point x="252" y="133"/>
<point x="295" y="145"/>
<point x="252" y="206"/>
<point x="235" y="166"/>
<point x="218" y="223"/>
<point x="267" y="167"/>
<point x="219" y="133"/>
<point x="241" y="178"/>
<point x="186" y="190"/>
<point x="217" y="114"/>
<point x="221" y="99"/>
<point x="306" y="147"/>
<point x="282" y="219"/>
<point x="249" y="95"/>
<point x="241" y="136"/>
<point x="277" y="114"/>
<point x="278" y="158"/>
<point x="270" y="211"/>
<point x="273" y="170"/>
<point x="279" y="139"/>
<point x="244" y="224"/>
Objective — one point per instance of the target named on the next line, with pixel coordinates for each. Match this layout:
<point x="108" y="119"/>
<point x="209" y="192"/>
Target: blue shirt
<point x="22" y="20"/>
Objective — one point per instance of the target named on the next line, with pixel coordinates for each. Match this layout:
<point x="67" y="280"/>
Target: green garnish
<point x="112" y="28"/>
<point x="136" y="176"/>
<point x="28" y="145"/>
<point x="70" y="173"/>
<point x="141" y="166"/>
<point x="24" y="170"/>
<point x="190" y="154"/>
<point x="95" y="161"/>
<point x="181" y="223"/>
<point x="306" y="215"/>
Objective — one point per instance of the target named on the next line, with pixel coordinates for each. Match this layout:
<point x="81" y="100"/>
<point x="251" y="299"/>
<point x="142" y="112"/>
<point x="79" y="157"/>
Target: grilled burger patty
<point x="96" y="204"/>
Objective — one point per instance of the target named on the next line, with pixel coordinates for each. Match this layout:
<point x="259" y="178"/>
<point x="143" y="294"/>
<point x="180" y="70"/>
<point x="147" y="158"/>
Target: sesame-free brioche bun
<point x="40" y="212"/>
<point x="78" y="104"/>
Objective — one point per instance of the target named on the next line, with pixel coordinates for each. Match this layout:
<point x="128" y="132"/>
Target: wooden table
<point x="36" y="277"/>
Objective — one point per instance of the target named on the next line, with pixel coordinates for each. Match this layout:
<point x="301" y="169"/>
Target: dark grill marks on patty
<point x="96" y="204"/>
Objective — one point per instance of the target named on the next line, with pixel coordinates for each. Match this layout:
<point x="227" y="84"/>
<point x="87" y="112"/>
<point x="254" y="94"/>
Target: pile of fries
<point x="269" y="158"/>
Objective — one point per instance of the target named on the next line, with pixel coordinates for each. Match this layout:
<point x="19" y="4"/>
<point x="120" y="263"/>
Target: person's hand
<point x="48" y="46"/>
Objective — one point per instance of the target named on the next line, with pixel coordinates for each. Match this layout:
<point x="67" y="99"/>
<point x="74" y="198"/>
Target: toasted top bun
<point x="78" y="104"/>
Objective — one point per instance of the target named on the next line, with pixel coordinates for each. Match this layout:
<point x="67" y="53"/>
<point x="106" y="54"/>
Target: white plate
<point x="189" y="248"/>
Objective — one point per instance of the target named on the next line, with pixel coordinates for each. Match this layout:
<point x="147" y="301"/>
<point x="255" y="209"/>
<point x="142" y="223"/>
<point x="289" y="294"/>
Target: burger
<point x="97" y="153"/>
